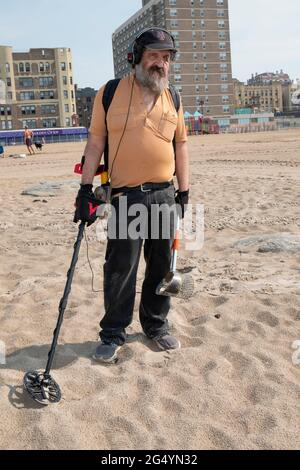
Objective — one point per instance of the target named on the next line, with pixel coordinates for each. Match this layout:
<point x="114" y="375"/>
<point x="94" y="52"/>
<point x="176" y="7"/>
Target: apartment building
<point x="202" y="70"/>
<point x="85" y="98"/>
<point x="36" y="88"/>
<point x="268" y="92"/>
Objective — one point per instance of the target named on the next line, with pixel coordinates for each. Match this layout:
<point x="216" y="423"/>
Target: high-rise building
<point x="202" y="69"/>
<point x="85" y="98"/>
<point x="36" y="88"/>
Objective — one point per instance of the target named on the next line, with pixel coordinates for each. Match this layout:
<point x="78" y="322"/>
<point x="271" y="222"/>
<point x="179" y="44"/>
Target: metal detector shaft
<point x="175" y="245"/>
<point x="64" y="299"/>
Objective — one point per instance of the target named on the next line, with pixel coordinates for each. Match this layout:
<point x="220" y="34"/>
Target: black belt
<point x="145" y="187"/>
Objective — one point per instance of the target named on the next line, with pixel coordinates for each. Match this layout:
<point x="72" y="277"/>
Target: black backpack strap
<point x="175" y="96"/>
<point x="108" y="94"/>
<point x="176" y="100"/>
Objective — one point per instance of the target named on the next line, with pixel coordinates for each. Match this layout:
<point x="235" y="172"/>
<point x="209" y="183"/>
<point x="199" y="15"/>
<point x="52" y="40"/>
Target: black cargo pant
<point x="121" y="265"/>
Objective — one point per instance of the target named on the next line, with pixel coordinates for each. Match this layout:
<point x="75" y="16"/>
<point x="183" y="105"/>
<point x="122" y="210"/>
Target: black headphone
<point x="136" y="50"/>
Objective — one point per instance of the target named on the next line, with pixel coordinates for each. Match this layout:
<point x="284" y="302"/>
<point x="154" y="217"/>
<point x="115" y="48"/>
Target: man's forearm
<point x="92" y="160"/>
<point x="182" y="166"/>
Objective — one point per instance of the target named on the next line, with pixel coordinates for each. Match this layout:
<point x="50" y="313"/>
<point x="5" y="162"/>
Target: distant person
<point x="28" y="136"/>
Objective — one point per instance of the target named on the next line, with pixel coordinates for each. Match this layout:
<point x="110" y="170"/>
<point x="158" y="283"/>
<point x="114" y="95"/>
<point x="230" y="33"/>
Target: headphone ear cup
<point x="137" y="53"/>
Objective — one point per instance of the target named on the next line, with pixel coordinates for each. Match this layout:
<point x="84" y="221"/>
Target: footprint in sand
<point x="260" y="394"/>
<point x="268" y="319"/>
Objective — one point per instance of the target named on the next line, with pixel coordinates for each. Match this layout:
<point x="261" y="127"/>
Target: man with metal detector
<point x="137" y="122"/>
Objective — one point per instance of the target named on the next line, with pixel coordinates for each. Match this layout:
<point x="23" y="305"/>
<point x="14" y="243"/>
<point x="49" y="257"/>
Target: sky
<point x="264" y="33"/>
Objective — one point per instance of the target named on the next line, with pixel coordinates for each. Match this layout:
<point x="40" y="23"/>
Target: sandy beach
<point x="233" y="385"/>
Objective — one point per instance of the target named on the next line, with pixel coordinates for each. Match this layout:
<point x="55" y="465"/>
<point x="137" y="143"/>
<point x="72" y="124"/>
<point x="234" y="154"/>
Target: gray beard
<point x="150" y="80"/>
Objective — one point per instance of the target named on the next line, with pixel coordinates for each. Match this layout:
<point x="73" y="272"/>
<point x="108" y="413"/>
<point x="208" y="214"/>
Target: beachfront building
<point x="85" y="98"/>
<point x="36" y="88"/>
<point x="202" y="71"/>
<point x="266" y="92"/>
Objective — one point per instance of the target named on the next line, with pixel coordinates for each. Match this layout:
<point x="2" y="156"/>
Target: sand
<point x="233" y="385"/>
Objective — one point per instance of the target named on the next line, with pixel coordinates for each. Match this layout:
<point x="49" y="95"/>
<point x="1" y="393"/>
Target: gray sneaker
<point x="106" y="352"/>
<point x="167" y="342"/>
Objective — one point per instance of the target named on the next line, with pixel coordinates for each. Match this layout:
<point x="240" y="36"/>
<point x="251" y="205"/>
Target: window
<point x="63" y="66"/>
<point x="27" y="110"/>
<point x="173" y="12"/>
<point x="172" y="2"/>
<point x="7" y="67"/>
<point x="177" y="78"/>
<point x="68" y="122"/>
<point x="48" y="109"/>
<point x="27" y="95"/>
<point x="8" y="111"/>
<point x="49" y="122"/>
<point x="42" y="67"/>
<point x="46" y="95"/>
<point x="26" y="82"/>
<point x="31" y="123"/>
<point x="47" y="67"/>
<point x="70" y="66"/>
<point x="66" y="94"/>
<point x="46" y="82"/>
<point x="67" y="108"/>
<point x="65" y="80"/>
<point x="2" y="111"/>
<point x="71" y="80"/>
<point x="8" y="81"/>
<point x="21" y="67"/>
<point x="221" y="23"/>
<point x="27" y="67"/>
<point x="226" y="109"/>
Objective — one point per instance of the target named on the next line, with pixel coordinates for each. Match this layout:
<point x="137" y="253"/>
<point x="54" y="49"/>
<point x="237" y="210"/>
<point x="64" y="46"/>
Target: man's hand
<point x="86" y="205"/>
<point x="182" y="199"/>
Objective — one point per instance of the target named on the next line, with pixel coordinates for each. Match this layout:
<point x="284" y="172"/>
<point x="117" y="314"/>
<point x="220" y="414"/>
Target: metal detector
<point x="40" y="385"/>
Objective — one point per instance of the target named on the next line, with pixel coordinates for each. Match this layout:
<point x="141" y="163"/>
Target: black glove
<point x="182" y="199"/>
<point x="86" y="205"/>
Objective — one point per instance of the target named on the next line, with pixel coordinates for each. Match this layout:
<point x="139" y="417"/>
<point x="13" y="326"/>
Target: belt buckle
<point x="145" y="190"/>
